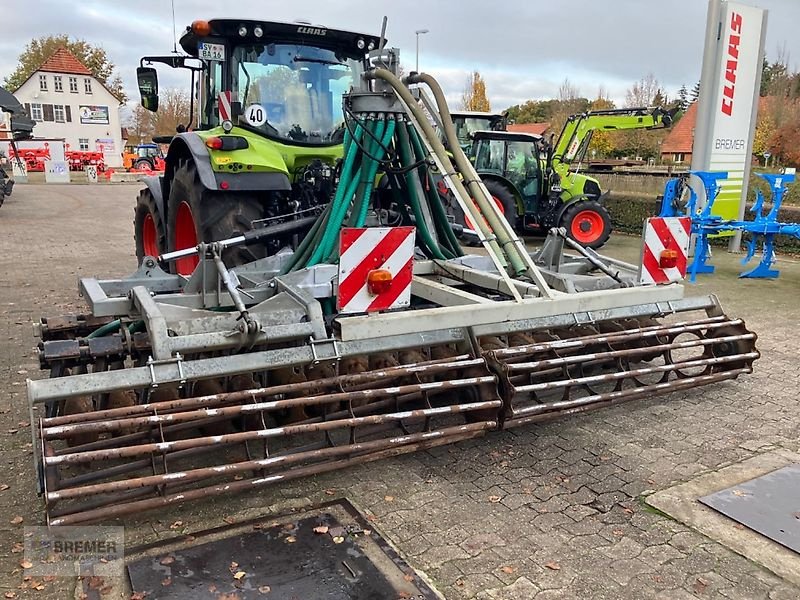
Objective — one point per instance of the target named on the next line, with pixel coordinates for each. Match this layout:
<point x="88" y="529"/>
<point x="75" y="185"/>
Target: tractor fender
<point x="505" y="182"/>
<point x="154" y="185"/>
<point x="190" y="146"/>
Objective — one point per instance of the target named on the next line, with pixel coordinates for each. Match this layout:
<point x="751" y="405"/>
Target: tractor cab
<point x="468" y="123"/>
<point x="512" y="159"/>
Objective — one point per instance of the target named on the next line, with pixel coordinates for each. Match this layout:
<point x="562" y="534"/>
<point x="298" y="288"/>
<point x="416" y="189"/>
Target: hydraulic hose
<point x="501" y="230"/>
<point x="368" y="181"/>
<point x="441" y="154"/>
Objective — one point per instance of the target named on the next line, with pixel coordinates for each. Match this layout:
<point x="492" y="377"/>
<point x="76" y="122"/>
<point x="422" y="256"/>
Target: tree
<point x="173" y="110"/>
<point x="694" y="95"/>
<point x="644" y="92"/>
<point x="603" y="142"/>
<point x="474" y="96"/>
<point x="40" y="49"/>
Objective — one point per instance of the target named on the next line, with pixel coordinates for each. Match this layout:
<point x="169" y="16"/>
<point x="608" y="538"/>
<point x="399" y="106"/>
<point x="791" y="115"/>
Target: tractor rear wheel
<point x="148" y="227"/>
<point x="588" y="223"/>
<point x="504" y="199"/>
<point x="200" y="215"/>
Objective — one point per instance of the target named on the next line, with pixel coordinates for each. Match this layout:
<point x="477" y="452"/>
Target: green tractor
<point x="470" y="122"/>
<point x="532" y="181"/>
<point x="266" y="130"/>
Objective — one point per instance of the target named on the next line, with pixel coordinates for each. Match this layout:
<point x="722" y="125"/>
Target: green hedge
<point x="628" y="212"/>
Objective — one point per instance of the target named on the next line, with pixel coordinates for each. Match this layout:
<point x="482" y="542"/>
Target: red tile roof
<point x="534" y="128"/>
<point x="681" y="137"/>
<point x="64" y="61"/>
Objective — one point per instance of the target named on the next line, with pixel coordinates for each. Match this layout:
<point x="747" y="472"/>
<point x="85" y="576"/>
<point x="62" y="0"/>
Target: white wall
<point x="73" y="131"/>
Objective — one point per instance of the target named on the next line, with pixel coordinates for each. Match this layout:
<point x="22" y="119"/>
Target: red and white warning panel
<point x="224" y="106"/>
<point x="375" y="268"/>
<point x="666" y="248"/>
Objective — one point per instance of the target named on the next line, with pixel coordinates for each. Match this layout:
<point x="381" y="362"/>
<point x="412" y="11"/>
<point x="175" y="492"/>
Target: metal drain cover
<point x="769" y="504"/>
<point x="330" y="554"/>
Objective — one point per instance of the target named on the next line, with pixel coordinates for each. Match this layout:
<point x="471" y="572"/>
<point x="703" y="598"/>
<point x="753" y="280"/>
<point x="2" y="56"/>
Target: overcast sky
<point x="524" y="48"/>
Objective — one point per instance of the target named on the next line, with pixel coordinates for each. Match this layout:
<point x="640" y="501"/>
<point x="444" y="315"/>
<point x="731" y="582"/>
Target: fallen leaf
<point x="10" y="594"/>
<point x="330" y="492"/>
<point x="553" y="566"/>
<point x="618" y="532"/>
<point x="321" y="529"/>
<point x="167" y="560"/>
<point x="4" y="487"/>
<point x="17" y="520"/>
<point x="508" y="570"/>
<point x="166" y="582"/>
<point x="239" y="574"/>
<point x="627" y="510"/>
<point x="17" y="548"/>
<point x="494" y="499"/>
<point x="657" y="578"/>
<point x="459" y="583"/>
<point x="389" y="498"/>
<point x="366" y="531"/>
<point x="176" y="525"/>
<point x="289" y="526"/>
<point x="739" y="493"/>
<point x="26" y="564"/>
<point x="700" y="585"/>
<point x="137" y="596"/>
<point x="229" y="520"/>
<point x="264" y="589"/>
<point x="291" y="539"/>
<point x="338" y="539"/>
<point x="212" y="588"/>
<point x="233" y="567"/>
<point x="38" y="586"/>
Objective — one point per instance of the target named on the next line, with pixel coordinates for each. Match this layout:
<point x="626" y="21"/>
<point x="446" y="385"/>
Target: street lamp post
<point x="419" y="32"/>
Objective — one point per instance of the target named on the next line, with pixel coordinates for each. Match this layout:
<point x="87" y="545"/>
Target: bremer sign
<point x="729" y="100"/>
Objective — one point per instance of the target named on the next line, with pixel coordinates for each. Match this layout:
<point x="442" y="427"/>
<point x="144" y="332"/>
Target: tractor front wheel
<point x="200" y="215"/>
<point x="588" y="223"/>
<point x="148" y="227"/>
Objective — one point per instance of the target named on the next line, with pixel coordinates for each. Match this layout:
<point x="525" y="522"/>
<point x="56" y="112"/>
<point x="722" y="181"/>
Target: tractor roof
<point x="511" y="136"/>
<point x="475" y="114"/>
<point x="345" y="42"/>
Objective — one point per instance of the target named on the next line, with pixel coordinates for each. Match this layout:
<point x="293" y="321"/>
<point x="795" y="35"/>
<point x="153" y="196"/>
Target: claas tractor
<point x="267" y="132"/>
<point x="365" y="333"/>
<point x="533" y="179"/>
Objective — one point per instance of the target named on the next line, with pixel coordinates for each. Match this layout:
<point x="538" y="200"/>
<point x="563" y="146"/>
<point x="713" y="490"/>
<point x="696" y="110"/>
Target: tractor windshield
<point x="298" y="89"/>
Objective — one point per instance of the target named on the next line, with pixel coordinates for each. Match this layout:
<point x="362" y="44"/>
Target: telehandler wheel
<point x="148" y="227"/>
<point x="505" y="201"/>
<point x="196" y="214"/>
<point x="143" y="165"/>
<point x="588" y="223"/>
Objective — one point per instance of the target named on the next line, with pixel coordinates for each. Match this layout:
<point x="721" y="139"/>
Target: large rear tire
<point x="588" y="223"/>
<point x="148" y="227"/>
<point x="200" y="215"/>
<point x="505" y="201"/>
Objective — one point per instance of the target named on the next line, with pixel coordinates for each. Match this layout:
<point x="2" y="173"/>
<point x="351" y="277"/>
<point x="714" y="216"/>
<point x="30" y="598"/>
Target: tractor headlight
<point x="227" y="126"/>
<point x="361" y="44"/>
<point x="257" y="31"/>
<point x="242" y="31"/>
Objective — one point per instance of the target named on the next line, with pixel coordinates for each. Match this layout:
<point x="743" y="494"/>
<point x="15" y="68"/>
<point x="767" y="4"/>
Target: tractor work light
<point x="668" y="259"/>
<point x="361" y="43"/>
<point x="257" y="31"/>
<point x="242" y="31"/>
<point x="379" y="281"/>
<point x="201" y="28"/>
<point x="371" y="46"/>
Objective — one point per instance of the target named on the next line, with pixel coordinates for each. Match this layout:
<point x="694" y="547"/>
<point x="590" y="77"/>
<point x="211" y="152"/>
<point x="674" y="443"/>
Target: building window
<point x="58" y="112"/>
<point x="43" y="82"/>
<point x="36" y="112"/>
<point x="87" y="85"/>
<point x="58" y="84"/>
<point x="73" y="85"/>
<point x="83" y="144"/>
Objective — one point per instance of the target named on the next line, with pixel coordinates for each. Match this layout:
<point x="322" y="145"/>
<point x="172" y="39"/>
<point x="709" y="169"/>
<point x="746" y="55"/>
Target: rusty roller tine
<point x="631" y="393"/>
<point x="233" y="438"/>
<point x="62" y="431"/>
<point x="609" y="338"/>
<point x="257" y="465"/>
<point x="578" y="358"/>
<point x="535" y="387"/>
<point x="119" y="510"/>
<point x="424" y="368"/>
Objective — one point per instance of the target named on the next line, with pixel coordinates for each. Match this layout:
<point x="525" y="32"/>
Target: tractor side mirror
<point x="147" y="78"/>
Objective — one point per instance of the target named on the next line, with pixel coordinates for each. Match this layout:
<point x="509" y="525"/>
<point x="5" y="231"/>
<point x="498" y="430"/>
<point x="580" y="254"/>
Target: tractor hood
<point x="21" y="124"/>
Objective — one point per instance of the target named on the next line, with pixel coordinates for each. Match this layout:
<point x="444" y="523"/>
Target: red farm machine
<point x="314" y="319"/>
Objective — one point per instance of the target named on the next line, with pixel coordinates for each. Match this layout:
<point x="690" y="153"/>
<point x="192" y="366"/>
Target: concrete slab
<point x="681" y="502"/>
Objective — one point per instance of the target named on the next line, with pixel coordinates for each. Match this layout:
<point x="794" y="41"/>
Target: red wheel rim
<point x="468" y="222"/>
<point x="185" y="237"/>
<point x="587" y="227"/>
<point x="149" y="236"/>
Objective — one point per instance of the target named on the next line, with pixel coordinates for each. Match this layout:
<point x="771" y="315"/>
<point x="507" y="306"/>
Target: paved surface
<point x="552" y="511"/>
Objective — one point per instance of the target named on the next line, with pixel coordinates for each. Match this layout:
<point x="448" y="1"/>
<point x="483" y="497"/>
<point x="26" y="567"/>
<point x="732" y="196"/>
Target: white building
<point x="68" y="103"/>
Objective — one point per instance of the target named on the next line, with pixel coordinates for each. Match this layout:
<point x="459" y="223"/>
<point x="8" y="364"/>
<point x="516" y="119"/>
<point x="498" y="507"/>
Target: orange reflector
<point x="215" y="143"/>
<point x="201" y="28"/>
<point x="668" y="259"/>
<point x="379" y="281"/>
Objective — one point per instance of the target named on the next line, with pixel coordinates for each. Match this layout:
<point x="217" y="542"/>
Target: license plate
<point x="211" y="51"/>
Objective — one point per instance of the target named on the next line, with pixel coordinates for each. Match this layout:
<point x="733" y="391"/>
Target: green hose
<point x="105" y="329"/>
<point x="370" y="179"/>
